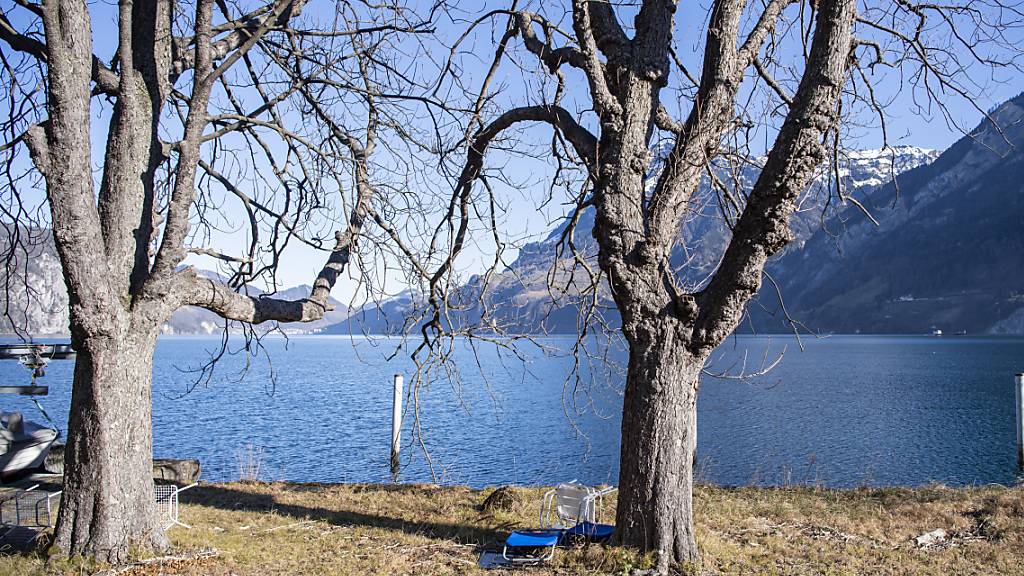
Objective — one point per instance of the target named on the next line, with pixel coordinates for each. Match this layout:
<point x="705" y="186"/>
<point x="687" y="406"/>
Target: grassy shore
<point x="307" y="529"/>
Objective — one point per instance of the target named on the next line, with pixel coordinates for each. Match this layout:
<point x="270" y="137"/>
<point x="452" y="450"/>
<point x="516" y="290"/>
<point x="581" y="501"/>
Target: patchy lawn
<point x="266" y="529"/>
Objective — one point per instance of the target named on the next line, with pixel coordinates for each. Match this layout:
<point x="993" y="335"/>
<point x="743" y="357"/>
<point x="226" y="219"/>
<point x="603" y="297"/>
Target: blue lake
<point x="846" y="411"/>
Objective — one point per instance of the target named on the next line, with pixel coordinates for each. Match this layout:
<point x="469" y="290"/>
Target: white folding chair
<point x="574" y="508"/>
<point x="567" y="505"/>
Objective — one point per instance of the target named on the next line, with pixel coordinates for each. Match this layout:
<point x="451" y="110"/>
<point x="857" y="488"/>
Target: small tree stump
<point x="503" y="498"/>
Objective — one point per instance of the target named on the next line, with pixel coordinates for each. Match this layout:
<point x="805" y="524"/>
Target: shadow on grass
<point x="226" y="498"/>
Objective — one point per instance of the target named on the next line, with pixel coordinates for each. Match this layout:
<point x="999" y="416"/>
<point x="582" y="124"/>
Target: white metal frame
<point x="598" y="499"/>
<point x="554" y="514"/>
<point x="24" y="509"/>
<point x="30" y="510"/>
<point x="23" y="501"/>
<point x="168" y="504"/>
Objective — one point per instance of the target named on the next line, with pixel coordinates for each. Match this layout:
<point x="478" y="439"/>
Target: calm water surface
<point x="847" y="411"/>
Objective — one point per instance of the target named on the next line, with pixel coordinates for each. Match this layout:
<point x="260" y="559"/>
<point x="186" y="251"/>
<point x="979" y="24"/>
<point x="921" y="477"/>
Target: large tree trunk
<point x="107" y="508"/>
<point x="659" y="436"/>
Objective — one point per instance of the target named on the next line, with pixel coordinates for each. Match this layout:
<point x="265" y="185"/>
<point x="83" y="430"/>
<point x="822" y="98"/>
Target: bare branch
<point x="106" y="81"/>
<point x="763" y="228"/>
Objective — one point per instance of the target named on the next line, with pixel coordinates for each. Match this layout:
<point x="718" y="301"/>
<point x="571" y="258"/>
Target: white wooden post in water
<point x="1019" y="386"/>
<point x="396" y="422"/>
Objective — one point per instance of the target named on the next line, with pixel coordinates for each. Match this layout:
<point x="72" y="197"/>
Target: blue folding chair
<point x="591" y="531"/>
<point x="531" y="546"/>
<point x="567" y="513"/>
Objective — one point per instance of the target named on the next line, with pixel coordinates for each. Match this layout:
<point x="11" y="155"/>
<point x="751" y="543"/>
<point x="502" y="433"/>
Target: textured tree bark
<point x="672" y="330"/>
<point x="671" y="334"/>
<point x="117" y="301"/>
<point x="119" y="293"/>
<point x="659" y="436"/>
<point x="107" y="509"/>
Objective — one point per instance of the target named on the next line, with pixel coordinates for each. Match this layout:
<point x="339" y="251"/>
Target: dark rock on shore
<point x="165" y="470"/>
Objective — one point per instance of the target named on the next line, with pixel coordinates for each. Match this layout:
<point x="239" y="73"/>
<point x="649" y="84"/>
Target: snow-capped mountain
<point x="874" y="167"/>
<point x="946" y="254"/>
<point x="523" y="298"/>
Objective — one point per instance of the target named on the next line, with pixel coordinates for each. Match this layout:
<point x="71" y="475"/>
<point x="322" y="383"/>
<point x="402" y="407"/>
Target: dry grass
<point x="250" y="462"/>
<point x="267" y="529"/>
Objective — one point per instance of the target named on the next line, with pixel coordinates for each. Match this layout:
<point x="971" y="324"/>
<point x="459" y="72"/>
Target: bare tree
<point x="785" y="71"/>
<point x="306" y="121"/>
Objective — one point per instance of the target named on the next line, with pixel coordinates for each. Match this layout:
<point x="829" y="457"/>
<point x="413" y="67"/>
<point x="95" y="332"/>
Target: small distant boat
<point x="936" y="332"/>
<point x="23" y="444"/>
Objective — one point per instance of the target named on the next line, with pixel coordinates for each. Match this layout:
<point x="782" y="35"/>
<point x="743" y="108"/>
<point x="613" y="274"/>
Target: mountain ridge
<point x="944" y="255"/>
<point x="518" y="299"/>
<point x="944" y="258"/>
